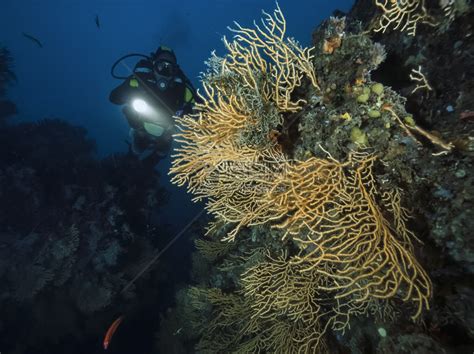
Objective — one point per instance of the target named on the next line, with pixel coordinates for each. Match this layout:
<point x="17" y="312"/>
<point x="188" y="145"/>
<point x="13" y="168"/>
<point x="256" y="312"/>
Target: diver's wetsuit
<point x="178" y="96"/>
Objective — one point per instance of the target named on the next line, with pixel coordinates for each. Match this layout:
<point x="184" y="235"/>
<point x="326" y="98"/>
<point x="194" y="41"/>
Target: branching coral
<point x="212" y="250"/>
<point x="278" y="289"/>
<point x="288" y="63"/>
<point x="216" y="159"/>
<point x="365" y="252"/>
<point x="355" y="248"/>
<point x="402" y="15"/>
<point x="421" y="82"/>
<point x="240" y="331"/>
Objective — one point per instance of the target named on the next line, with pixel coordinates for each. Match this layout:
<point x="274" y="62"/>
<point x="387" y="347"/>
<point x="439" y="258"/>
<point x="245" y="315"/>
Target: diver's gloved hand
<point x="141" y="141"/>
<point x="187" y="109"/>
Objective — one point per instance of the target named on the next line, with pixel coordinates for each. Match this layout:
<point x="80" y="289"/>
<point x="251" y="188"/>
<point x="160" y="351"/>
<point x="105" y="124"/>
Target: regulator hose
<point x="112" y="70"/>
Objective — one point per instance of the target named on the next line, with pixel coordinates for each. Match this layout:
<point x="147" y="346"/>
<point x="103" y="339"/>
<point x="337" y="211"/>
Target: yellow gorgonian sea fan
<point x="402" y="15"/>
<point x="353" y="240"/>
<point x="252" y="84"/>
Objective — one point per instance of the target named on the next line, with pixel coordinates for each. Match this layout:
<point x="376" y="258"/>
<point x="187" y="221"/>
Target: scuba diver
<point x="152" y="95"/>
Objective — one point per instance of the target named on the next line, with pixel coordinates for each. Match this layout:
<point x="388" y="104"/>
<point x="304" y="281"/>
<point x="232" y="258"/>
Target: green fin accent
<point x="133" y="83"/>
<point x="165" y="48"/>
<point x="188" y="95"/>
<point x="153" y="129"/>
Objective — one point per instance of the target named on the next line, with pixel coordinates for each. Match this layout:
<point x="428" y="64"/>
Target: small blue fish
<point x="33" y="39"/>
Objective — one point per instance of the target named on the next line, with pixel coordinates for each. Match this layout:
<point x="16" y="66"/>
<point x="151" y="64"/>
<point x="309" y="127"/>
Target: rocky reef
<point x="74" y="231"/>
<point x="339" y="181"/>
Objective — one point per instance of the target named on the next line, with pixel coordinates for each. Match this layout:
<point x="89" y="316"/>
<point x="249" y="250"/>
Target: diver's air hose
<point x="112" y="70"/>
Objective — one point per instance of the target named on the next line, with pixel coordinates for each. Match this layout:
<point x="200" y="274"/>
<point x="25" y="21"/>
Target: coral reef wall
<point x="432" y="68"/>
<point x="74" y="230"/>
<point x="341" y="196"/>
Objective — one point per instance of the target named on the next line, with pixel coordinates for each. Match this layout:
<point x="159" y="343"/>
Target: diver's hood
<point x="165" y="54"/>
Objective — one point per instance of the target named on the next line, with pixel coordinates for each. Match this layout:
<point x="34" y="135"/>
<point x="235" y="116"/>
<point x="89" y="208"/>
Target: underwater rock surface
<point x="402" y="97"/>
<point x="74" y="230"/>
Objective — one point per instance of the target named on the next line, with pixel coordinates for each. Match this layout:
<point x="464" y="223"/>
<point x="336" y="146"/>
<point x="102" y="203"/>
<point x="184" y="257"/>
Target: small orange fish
<point x="110" y="332"/>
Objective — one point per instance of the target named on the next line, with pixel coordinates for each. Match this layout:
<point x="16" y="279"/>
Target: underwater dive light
<point x="140" y="106"/>
<point x="154" y="119"/>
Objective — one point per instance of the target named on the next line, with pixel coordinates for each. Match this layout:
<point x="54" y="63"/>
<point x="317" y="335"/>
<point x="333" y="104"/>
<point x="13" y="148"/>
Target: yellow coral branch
<point x="402" y="15"/>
